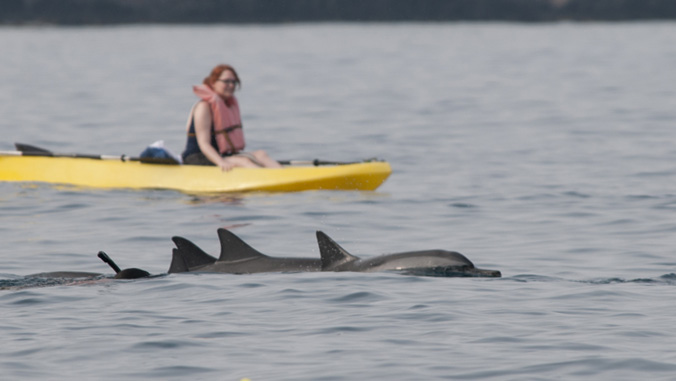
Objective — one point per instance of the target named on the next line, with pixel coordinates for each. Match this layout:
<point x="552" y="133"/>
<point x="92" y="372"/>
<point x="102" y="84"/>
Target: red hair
<point x="216" y="74"/>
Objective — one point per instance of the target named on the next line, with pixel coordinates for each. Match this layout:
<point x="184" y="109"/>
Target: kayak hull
<point x="190" y="178"/>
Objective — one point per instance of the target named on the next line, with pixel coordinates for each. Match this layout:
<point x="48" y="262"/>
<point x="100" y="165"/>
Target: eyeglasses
<point x="228" y="81"/>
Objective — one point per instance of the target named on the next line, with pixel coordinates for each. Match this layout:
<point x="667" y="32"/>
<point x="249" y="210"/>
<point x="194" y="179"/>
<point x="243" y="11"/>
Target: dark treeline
<point x="78" y="12"/>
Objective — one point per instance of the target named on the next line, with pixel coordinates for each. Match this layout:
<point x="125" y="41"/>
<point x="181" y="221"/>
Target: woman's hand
<point x="226" y="165"/>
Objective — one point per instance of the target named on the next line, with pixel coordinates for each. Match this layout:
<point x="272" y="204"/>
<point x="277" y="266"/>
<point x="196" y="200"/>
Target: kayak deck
<point x="191" y="178"/>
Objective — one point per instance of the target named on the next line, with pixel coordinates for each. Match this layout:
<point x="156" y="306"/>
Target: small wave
<point x="666" y="173"/>
<point x="666" y="279"/>
<point x="342" y="329"/>
<point x="640" y="197"/>
<point x="251" y="285"/>
<point x="362" y="296"/>
<point x="20" y="284"/>
<point x="172" y="372"/>
<point x="220" y="335"/>
<point x="576" y="194"/>
<point x="669" y="205"/>
<point x="533" y="278"/>
<point x="165" y="344"/>
<point x="462" y="205"/>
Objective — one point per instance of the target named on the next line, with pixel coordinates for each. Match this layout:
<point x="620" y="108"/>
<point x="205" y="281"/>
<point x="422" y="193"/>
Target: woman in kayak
<point x="214" y="127"/>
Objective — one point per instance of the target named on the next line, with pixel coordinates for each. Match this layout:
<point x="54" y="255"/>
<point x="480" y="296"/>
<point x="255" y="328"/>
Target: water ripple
<point x="358" y="297"/>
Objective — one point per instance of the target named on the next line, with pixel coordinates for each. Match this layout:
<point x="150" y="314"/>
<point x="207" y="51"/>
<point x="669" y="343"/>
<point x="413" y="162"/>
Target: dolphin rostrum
<point x="237" y="257"/>
<point x="427" y="262"/>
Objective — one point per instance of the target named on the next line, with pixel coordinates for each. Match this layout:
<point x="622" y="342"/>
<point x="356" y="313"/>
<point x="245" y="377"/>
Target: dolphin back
<point x="132" y="273"/>
<point x="424" y="262"/>
<point x="65" y="274"/>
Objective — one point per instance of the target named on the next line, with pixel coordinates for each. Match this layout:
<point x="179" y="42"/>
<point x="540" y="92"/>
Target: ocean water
<point x="545" y="151"/>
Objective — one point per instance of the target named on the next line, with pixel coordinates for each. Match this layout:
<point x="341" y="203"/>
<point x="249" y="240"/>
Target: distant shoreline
<point x="107" y="12"/>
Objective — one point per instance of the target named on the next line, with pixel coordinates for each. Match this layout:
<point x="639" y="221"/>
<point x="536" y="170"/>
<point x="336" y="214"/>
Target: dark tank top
<point x="191" y="145"/>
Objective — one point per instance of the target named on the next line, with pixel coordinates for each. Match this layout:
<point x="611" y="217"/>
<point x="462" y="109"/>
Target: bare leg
<point x="263" y="158"/>
<point x="240" y="161"/>
<point x="254" y="159"/>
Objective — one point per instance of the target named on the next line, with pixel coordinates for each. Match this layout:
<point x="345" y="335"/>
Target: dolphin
<point x="132" y="273"/>
<point x="427" y="262"/>
<point x="68" y="278"/>
<point x="237" y="257"/>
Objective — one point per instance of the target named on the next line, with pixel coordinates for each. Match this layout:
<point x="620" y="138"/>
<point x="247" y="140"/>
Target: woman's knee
<point x="260" y="154"/>
<point x="241" y="161"/>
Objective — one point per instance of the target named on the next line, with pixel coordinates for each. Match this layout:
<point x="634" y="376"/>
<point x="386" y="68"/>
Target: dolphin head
<point x="453" y="271"/>
<point x="437" y="263"/>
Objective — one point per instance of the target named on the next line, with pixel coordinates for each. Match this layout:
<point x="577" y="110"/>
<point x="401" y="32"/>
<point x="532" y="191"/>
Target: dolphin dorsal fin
<point x="188" y="255"/>
<point x="234" y="249"/>
<point x="332" y="254"/>
<point x="177" y="263"/>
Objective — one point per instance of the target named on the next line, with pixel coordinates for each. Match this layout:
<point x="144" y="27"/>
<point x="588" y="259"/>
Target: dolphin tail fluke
<point x="234" y="249"/>
<point x="187" y="255"/>
<point x="333" y="255"/>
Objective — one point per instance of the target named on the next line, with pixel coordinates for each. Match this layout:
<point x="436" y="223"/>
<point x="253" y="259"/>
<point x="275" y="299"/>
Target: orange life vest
<point x="227" y="121"/>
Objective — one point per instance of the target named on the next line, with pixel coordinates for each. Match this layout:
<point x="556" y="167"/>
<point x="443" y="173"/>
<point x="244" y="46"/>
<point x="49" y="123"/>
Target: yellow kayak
<point x="106" y="173"/>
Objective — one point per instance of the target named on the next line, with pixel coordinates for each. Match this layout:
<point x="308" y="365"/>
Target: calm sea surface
<point x="545" y="151"/>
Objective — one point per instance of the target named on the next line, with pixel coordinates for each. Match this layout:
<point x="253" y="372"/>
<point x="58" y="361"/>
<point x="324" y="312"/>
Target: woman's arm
<point x="203" y="120"/>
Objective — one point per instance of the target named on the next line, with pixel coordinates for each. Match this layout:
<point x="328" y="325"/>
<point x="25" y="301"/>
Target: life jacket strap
<point x="227" y="137"/>
<point x="229" y="129"/>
